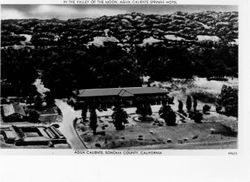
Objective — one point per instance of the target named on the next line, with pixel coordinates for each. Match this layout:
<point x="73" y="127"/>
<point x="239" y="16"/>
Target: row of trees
<point x="162" y="62"/>
<point x="119" y="116"/>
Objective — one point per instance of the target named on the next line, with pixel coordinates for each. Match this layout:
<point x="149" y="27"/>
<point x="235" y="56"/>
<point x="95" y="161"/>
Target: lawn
<point x="149" y="135"/>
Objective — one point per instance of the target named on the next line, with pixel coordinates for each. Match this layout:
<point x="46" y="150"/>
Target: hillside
<point x="116" y="51"/>
<point x="124" y="29"/>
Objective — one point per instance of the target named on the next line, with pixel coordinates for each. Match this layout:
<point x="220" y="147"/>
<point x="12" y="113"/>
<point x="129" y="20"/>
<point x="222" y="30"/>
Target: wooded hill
<point x="113" y="51"/>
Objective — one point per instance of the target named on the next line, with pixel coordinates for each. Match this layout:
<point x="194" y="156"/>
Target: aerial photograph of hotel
<point x="119" y="77"/>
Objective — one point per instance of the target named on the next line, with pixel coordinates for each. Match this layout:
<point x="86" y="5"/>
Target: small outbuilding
<point x="12" y="112"/>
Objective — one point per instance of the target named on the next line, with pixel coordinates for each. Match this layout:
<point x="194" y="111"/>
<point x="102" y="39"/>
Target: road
<point x="67" y="125"/>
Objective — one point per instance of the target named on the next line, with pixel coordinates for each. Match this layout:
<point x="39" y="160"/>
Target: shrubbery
<point x="206" y="108"/>
<point x="227" y="101"/>
<point x="120" y="118"/>
<point x="167" y="113"/>
<point x="204" y="97"/>
<point x="144" y="109"/>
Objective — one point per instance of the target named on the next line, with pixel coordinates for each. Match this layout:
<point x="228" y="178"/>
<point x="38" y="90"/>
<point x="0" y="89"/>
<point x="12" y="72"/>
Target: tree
<point x="93" y="120"/>
<point x="18" y="71"/>
<point x="206" y="108"/>
<point x="84" y="111"/>
<point x="180" y="106"/>
<point x="171" y="118"/>
<point x="194" y="104"/>
<point x="197" y="117"/>
<point x="228" y="101"/>
<point x="189" y="103"/>
<point x="120" y="118"/>
<point x="33" y="116"/>
<point x="49" y="99"/>
<point x="144" y="109"/>
<point x="167" y="114"/>
<point x="148" y="109"/>
<point x="38" y="101"/>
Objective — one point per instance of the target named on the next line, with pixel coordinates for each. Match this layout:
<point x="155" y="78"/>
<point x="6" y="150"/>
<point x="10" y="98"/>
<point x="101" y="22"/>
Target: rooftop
<point x="9" y="109"/>
<point x="122" y="92"/>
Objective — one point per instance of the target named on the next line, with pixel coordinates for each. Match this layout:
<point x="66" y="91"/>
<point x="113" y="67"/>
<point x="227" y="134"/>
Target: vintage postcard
<point x="82" y="78"/>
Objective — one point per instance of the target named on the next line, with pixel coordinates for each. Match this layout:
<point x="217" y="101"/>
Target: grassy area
<point x="140" y="135"/>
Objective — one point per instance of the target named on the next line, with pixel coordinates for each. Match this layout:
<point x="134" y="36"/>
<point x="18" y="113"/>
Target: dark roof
<point x="145" y="90"/>
<point x="122" y="92"/>
<point x="9" y="109"/>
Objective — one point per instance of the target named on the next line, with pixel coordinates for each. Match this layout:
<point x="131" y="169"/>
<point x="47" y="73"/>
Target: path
<point x="67" y="125"/>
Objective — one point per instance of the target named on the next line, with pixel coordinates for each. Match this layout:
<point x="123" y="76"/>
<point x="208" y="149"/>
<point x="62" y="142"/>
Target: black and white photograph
<point x="119" y="77"/>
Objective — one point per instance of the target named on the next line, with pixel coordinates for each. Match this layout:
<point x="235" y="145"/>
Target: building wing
<point x="122" y="92"/>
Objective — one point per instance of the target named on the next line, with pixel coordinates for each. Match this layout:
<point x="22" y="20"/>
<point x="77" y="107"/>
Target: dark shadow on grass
<point x="225" y="131"/>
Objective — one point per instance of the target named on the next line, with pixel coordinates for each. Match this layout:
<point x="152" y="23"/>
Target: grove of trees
<point x="58" y="51"/>
<point x="66" y="69"/>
